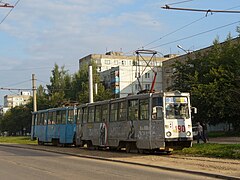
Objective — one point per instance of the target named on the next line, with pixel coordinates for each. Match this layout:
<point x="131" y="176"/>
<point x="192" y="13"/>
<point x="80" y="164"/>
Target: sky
<point x="38" y="34"/>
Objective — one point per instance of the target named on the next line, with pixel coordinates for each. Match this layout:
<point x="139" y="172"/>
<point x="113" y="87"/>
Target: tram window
<point x="91" y="114"/>
<point x="63" y="121"/>
<point x="50" y="116"/>
<point x="157" y="101"/>
<point x="38" y="119"/>
<point x="85" y="115"/>
<point x="157" y="104"/>
<point x="35" y="119"/>
<point x="133" y="110"/>
<point x="42" y="119"/>
<point x="122" y="111"/>
<point x="80" y="115"/>
<point x="144" y="109"/>
<point x="54" y="117"/>
<point x="59" y="118"/>
<point x="98" y="114"/>
<point x="45" y="118"/>
<point x="104" y="113"/>
<point x="70" y="118"/>
<point x="114" y="112"/>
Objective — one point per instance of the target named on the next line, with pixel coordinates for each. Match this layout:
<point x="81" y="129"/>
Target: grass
<point x="17" y="140"/>
<point x="231" y="151"/>
<point x="224" y="134"/>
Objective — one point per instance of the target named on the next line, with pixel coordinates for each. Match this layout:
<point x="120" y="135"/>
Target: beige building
<point x="11" y="101"/>
<point x="127" y="74"/>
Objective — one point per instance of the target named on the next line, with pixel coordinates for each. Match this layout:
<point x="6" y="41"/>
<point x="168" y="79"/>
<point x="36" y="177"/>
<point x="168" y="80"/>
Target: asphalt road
<point x="22" y="164"/>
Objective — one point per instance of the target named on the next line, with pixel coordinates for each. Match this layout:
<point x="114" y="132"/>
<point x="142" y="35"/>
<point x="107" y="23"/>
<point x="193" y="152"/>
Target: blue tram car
<point x="56" y="126"/>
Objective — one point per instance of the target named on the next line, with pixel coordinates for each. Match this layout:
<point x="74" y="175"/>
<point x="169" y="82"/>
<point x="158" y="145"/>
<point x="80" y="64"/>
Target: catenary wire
<point x="9" y="12"/>
<point x="204" y="32"/>
<point x="19" y="83"/>
<point x="175" y="31"/>
<point x="183" y="27"/>
<point x="180" y="2"/>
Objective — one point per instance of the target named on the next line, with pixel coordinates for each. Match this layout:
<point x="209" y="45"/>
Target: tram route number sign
<point x="180" y="128"/>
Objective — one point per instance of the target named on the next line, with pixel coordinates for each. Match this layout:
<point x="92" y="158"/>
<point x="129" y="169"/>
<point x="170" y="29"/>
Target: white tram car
<point x="143" y="122"/>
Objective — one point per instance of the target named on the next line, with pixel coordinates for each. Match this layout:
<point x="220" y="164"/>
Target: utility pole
<point x="34" y="89"/>
<point x="90" y="84"/>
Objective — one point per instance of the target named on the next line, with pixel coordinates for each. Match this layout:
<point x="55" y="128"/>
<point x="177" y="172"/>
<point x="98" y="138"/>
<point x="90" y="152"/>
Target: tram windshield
<point x="177" y="108"/>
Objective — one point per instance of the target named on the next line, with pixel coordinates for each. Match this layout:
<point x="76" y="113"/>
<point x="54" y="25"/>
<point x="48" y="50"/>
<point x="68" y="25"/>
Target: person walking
<point x="205" y="133"/>
<point x="200" y="133"/>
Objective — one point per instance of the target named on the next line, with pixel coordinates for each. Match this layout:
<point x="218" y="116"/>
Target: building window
<point x="136" y="87"/>
<point x="147" y="86"/>
<point x="107" y="61"/>
<point x="137" y="74"/>
<point x="147" y="75"/>
<point x="123" y="63"/>
<point x="116" y="62"/>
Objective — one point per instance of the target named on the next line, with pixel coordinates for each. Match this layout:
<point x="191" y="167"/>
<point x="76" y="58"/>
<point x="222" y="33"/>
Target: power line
<point x="43" y="81"/>
<point x="175" y="31"/>
<point x="199" y="10"/>
<point x="19" y="83"/>
<point x="15" y="89"/>
<point x="204" y="32"/>
<point x="9" y="12"/>
<point x="180" y="2"/>
<point x="182" y="27"/>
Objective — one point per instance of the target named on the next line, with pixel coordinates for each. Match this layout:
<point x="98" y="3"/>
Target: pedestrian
<point x="205" y="133"/>
<point x="200" y="133"/>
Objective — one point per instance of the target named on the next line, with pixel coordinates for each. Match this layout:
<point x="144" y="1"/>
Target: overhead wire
<point x="175" y="31"/>
<point x="9" y="12"/>
<point x="182" y="26"/>
<point x="19" y="83"/>
<point x="204" y="32"/>
<point x="180" y="2"/>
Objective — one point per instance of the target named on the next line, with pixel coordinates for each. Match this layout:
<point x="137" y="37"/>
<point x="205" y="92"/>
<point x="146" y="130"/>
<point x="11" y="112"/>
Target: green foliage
<point x="17" y="140"/>
<point x="57" y="88"/>
<point x="214" y="150"/>
<point x="16" y="120"/>
<point x="213" y="79"/>
<point x="65" y="88"/>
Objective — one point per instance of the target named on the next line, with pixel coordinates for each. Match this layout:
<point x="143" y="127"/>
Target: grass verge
<point x="17" y="140"/>
<point x="231" y="151"/>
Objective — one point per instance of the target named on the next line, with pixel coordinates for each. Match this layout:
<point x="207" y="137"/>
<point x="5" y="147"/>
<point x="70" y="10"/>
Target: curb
<point x="207" y="174"/>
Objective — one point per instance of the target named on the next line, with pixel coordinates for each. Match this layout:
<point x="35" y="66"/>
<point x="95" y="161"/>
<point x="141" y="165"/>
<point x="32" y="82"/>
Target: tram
<point x="56" y="126"/>
<point x="143" y="122"/>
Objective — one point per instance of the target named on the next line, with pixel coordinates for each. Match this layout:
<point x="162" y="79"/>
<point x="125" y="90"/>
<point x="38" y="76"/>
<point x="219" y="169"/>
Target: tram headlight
<point x="189" y="133"/>
<point x="168" y="134"/>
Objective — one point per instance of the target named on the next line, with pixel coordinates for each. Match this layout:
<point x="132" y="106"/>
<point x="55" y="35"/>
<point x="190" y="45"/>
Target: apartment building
<point x="127" y="74"/>
<point x="11" y="101"/>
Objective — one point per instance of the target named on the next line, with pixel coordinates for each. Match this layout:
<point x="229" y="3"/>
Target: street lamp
<point x="186" y="51"/>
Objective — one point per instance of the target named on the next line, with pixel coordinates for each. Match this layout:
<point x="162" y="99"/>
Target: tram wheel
<point x="128" y="147"/>
<point x="40" y="142"/>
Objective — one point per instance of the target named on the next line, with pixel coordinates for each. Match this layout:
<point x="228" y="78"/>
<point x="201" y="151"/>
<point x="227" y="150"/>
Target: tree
<point x="57" y="88"/>
<point x="17" y="120"/>
<point x="213" y="80"/>
<point x="81" y="85"/>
